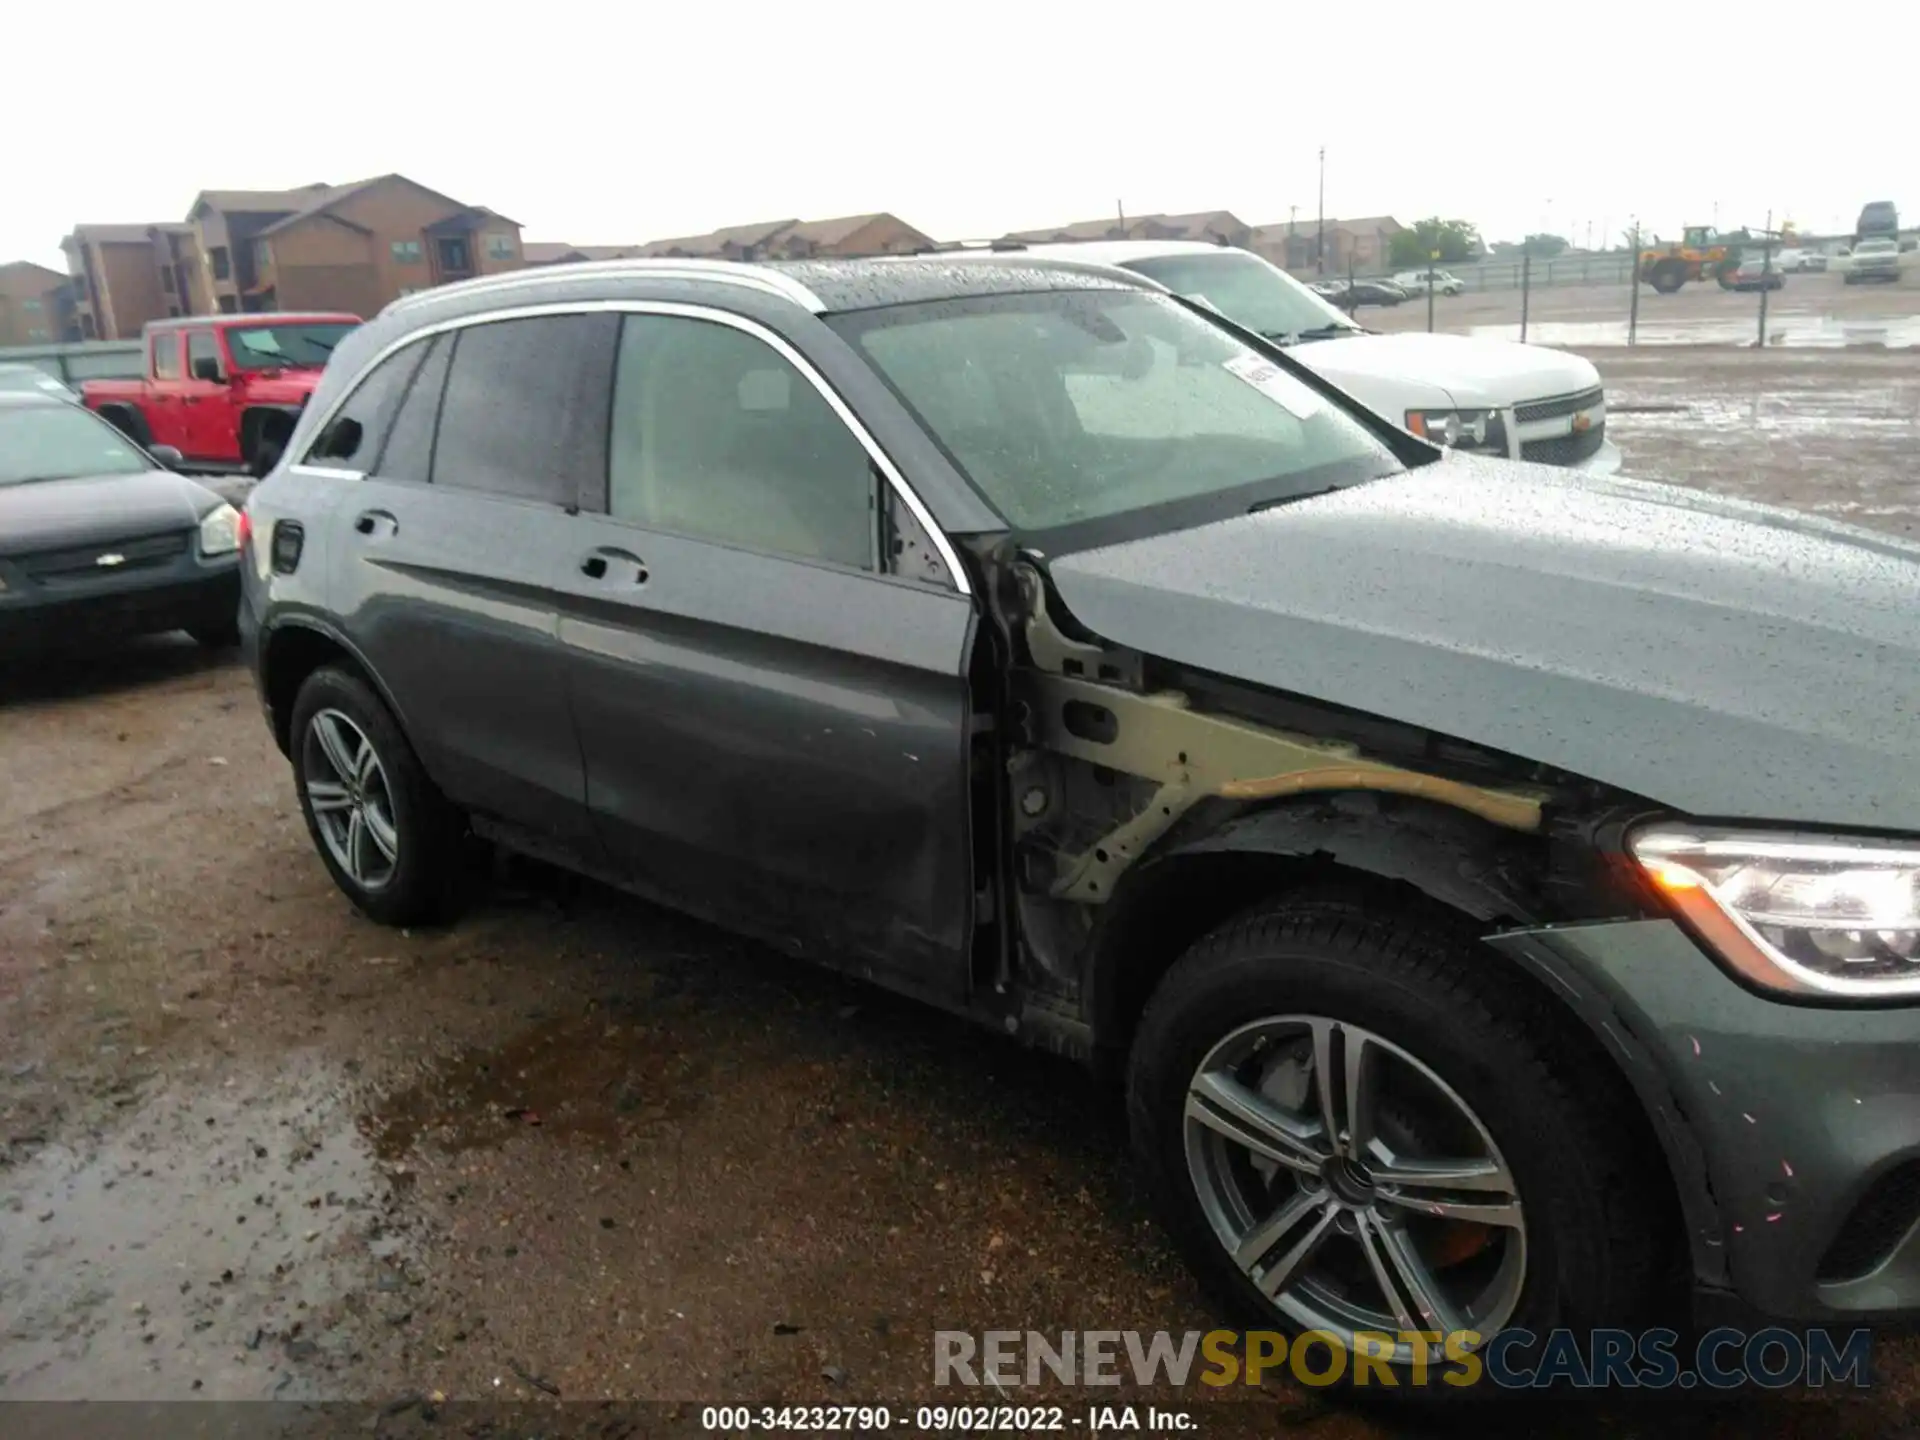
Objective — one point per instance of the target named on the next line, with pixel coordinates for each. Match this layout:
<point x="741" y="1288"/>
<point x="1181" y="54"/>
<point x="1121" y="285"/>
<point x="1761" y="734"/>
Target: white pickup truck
<point x="1491" y="397"/>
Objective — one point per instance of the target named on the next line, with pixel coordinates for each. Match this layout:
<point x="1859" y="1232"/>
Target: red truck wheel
<point x="128" y="422"/>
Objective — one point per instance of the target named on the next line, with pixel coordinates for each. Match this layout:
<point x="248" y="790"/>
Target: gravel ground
<point x="257" y="1147"/>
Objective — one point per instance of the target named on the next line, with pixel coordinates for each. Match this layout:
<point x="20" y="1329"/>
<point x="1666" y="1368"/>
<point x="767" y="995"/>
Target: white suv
<point x="1492" y="397"/>
<point x="1414" y="282"/>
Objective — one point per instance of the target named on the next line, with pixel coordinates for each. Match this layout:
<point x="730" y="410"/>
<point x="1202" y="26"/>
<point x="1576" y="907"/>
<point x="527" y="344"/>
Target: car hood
<point x="1725" y="659"/>
<point x="1471" y="371"/>
<point x="53" y="514"/>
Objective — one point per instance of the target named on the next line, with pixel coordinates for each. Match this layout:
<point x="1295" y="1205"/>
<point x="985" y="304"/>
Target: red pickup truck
<point x="223" y="390"/>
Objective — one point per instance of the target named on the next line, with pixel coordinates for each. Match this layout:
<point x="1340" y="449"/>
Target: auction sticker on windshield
<point x="1274" y="383"/>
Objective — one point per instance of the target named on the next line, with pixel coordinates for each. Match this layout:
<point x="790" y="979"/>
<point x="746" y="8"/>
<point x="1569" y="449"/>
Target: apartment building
<point x="30" y="297"/>
<point x="1219" y="227"/>
<point x="561" y="252"/>
<point x="876" y="233"/>
<point x="1364" y="245"/>
<point x="125" y="275"/>
<point x="343" y="247"/>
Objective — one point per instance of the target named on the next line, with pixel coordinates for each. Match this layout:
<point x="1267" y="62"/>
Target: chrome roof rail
<point x="725" y="272"/>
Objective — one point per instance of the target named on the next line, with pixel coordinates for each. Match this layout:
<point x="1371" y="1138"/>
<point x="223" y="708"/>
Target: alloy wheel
<point x="351" y="800"/>
<point x="1352" y="1185"/>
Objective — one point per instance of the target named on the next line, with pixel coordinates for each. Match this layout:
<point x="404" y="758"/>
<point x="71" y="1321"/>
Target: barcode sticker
<point x="1274" y="383"/>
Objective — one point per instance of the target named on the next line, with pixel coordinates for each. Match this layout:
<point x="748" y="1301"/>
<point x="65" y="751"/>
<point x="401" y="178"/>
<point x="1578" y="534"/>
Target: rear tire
<point x="1592" y="1241"/>
<point x="388" y="837"/>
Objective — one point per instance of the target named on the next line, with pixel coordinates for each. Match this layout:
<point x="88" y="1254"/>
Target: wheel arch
<point x="1407" y="854"/>
<point x="293" y="649"/>
<point x="256" y="418"/>
<point x="127" y="419"/>
<point x="1446" y="855"/>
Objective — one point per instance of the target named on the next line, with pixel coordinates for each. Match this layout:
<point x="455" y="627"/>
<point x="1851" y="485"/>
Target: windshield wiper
<point x="1313" y="332"/>
<point x="1329" y="330"/>
<point x="1277" y="501"/>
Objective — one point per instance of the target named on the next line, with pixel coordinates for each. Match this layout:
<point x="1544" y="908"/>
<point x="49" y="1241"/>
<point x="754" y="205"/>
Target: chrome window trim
<point x="725" y="272"/>
<point x="777" y="343"/>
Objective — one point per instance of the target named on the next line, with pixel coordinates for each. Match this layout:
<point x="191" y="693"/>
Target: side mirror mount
<point x="167" y="456"/>
<point x="207" y="368"/>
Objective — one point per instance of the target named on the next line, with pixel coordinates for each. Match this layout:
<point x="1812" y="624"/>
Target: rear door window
<point x="525" y="409"/>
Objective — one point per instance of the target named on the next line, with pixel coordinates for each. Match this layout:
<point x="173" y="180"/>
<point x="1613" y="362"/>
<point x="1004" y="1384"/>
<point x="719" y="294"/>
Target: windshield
<point x="285" y="347"/>
<point x="1070" y="406"/>
<point x="1248" y="291"/>
<point x="59" y="442"/>
<point x="31" y="379"/>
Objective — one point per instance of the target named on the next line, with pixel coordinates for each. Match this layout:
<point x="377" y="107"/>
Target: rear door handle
<point x="614" y="565"/>
<point x="380" y="524"/>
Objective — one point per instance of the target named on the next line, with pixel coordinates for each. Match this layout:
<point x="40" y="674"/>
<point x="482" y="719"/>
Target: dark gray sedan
<point x="1499" y="886"/>
<point x="99" y="539"/>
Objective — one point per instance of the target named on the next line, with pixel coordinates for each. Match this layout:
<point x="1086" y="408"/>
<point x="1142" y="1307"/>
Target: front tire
<point x="386" y="834"/>
<point x="268" y="444"/>
<point x="1667" y="276"/>
<point x="1460" y="1173"/>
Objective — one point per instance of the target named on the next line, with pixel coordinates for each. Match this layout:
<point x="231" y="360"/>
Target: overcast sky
<point x="605" y="123"/>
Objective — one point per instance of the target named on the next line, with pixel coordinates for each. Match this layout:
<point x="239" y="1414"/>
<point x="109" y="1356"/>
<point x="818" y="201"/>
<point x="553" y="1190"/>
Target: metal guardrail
<point x="82" y="360"/>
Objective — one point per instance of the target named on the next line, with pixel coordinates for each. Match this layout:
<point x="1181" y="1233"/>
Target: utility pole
<point x="1766" y="277"/>
<point x="1320" y="240"/>
<point x="1121" y="206"/>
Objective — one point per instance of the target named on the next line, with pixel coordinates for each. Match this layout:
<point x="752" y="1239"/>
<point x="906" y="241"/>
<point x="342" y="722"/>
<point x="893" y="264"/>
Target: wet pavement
<point x="252" y="1146"/>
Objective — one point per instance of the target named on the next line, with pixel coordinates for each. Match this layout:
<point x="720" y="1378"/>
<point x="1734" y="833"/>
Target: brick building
<point x="560" y="252"/>
<point x="343" y="247"/>
<point x="123" y="276"/>
<point x="30" y="303"/>
<point x="1221" y="227"/>
<point x="878" y="233"/>
<point x="1367" y="243"/>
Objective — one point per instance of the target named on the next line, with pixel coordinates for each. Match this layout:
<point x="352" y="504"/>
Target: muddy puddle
<point x="201" y="1251"/>
<point x="593" y="1078"/>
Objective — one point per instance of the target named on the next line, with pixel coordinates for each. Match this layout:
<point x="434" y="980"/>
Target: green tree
<point x="1545" y="246"/>
<point x="1456" y="240"/>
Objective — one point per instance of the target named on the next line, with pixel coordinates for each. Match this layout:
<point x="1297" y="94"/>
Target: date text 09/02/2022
<point x="946" y="1419"/>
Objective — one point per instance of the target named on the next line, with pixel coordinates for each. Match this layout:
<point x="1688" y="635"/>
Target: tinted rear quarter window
<point x="409" y="452"/>
<point x="525" y="409"/>
<point x="353" y="436"/>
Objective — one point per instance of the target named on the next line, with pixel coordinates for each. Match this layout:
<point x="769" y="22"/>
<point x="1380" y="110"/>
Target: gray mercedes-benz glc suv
<point x="1498" y="885"/>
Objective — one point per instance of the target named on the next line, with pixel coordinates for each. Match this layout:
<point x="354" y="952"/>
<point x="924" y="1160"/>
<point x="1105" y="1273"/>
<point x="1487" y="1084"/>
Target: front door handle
<point x="614" y="565"/>
<point x="378" y="523"/>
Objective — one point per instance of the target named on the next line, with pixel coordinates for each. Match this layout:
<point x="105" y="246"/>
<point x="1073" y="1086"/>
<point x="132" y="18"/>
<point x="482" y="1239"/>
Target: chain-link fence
<point x="1750" y="288"/>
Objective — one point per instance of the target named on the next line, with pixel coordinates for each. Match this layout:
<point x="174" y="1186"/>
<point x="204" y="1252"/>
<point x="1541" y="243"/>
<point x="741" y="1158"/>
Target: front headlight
<point x="1801" y="913"/>
<point x="1481" y="432"/>
<point x="220" y="531"/>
